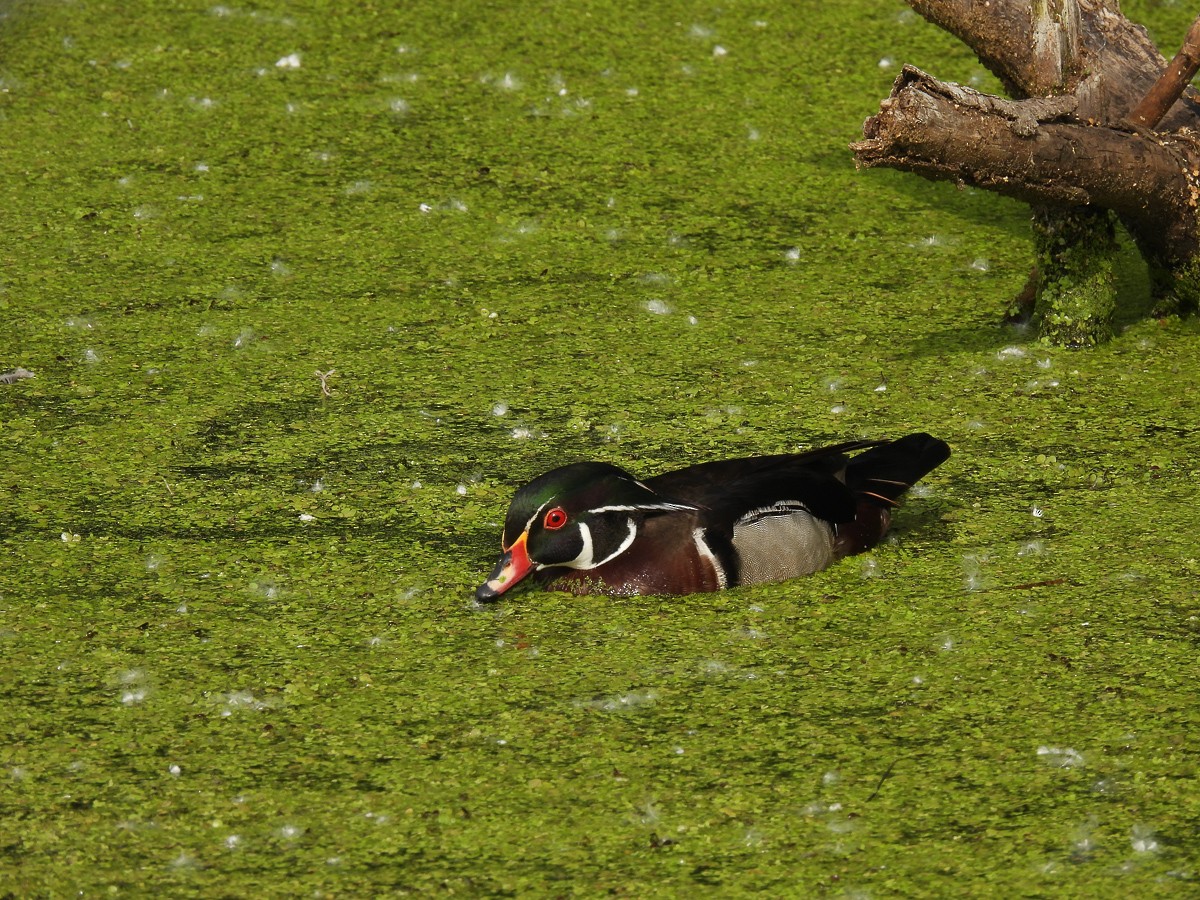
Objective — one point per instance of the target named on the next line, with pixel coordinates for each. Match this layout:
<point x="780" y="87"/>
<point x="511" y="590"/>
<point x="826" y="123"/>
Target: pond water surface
<point x="308" y="290"/>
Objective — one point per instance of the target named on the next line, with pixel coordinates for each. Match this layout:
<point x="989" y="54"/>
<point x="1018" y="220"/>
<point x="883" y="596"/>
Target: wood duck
<point x="591" y="527"/>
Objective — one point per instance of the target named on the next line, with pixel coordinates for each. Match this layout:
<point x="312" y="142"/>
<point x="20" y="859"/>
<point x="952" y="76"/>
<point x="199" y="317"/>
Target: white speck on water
<point x="791" y="255"/>
<point x="838" y="408"/>
<point x="979" y="264"/>
<point x="886" y="63"/>
<point x="404" y="78"/>
<point x="79" y="322"/>
<point x="291" y="61"/>
<point x="881" y="388"/>
<point x="204" y="103"/>
<point x="752" y="133"/>
<point x="461" y="490"/>
<point x="918" y="680"/>
<point x="678" y="751"/>
<point x="399" y="106"/>
<point x="1044" y="362"/>
<point x="718" y="52"/>
<point x="631" y="92"/>
<point x="751" y="633"/>
<point x="869" y="567"/>
<point x="1011" y="352"/>
<point x="522" y="433"/>
<point x="244" y="338"/>
<point x="1083" y="844"/>
<point x="239" y="700"/>
<point x="18" y="773"/>
<point x="233" y="841"/>
<point x="831" y="777"/>
<point x="307" y="517"/>
<point x="91" y="356"/>
<point x="973" y="578"/>
<point x="499" y="409"/>
<point x="1032" y="548"/>
<point x="317" y="486"/>
<point x="648" y="813"/>
<point x="1037" y="512"/>
<point x="425" y="208"/>
<point x="280" y="268"/>
<point x="658" y="307"/>
<point x="357" y="188"/>
<point x="1060" y="757"/>
<point x="1143" y="840"/>
<point x="70" y="537"/>
<point x="416" y="485"/>
<point x="621" y="702"/>
<point x="134" y="696"/>
<point x="290" y="832"/>
<point x="266" y="587"/>
<point x="506" y="82"/>
<point x="175" y="770"/>
<point x="145" y="211"/>
<point x="692" y="320"/>
<point x="183" y="861"/>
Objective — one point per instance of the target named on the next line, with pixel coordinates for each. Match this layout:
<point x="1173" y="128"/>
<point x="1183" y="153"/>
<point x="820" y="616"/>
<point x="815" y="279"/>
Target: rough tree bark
<point x="1093" y="131"/>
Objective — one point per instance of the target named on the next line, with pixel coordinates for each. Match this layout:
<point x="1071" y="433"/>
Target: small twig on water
<point x="882" y="778"/>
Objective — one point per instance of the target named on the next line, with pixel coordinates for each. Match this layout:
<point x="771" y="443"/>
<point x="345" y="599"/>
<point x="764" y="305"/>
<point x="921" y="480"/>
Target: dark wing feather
<point x="729" y="489"/>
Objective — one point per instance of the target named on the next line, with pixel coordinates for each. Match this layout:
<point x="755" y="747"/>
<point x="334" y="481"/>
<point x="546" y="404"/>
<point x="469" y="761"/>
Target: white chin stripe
<point x="585" y="559"/>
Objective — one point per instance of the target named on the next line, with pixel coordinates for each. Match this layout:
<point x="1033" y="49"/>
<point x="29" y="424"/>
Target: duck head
<point x="580" y="516"/>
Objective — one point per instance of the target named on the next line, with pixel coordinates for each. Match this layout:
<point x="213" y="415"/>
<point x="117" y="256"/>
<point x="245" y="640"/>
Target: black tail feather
<point x="882" y="474"/>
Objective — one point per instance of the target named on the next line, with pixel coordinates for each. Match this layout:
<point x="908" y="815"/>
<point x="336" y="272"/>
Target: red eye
<point x="555" y="519"/>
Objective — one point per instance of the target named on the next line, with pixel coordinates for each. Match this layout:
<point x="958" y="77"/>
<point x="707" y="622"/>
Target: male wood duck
<point x="591" y="527"/>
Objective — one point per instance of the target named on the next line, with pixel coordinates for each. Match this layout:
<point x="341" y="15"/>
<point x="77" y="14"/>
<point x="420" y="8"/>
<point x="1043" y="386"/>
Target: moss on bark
<point x="1077" y="289"/>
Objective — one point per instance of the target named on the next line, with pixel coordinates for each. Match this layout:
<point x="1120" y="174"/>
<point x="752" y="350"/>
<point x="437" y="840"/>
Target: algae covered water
<point x="308" y="290"/>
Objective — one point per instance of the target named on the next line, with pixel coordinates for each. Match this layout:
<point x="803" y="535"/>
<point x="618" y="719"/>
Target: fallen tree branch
<point x="1035" y="151"/>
